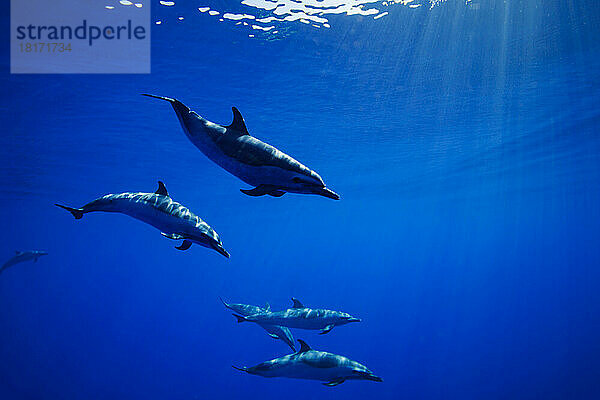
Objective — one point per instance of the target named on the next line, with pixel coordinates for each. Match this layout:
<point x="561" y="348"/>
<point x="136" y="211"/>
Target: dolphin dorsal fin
<point x="297" y="303"/>
<point x="162" y="190"/>
<point x="238" y="122"/>
<point x="267" y="307"/>
<point x="303" y="346"/>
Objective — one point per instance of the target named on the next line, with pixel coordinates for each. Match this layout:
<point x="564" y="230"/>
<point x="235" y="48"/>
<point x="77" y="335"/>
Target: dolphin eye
<point x="297" y="180"/>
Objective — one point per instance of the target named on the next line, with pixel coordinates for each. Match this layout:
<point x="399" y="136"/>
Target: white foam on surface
<point x="316" y="13"/>
<point x="237" y="17"/>
<point x="263" y="28"/>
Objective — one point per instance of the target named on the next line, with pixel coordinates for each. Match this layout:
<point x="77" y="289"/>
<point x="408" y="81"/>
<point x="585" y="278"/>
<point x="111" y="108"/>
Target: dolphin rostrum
<point x="259" y="164"/>
<point x="174" y="220"/>
<point x="275" y="331"/>
<point x="302" y="318"/>
<point x="21" y="256"/>
<point x="315" y="365"/>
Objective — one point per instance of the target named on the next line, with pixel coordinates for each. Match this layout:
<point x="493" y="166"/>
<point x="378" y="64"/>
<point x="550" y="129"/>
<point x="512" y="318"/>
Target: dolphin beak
<point x="220" y="249"/>
<point x="354" y="319"/>
<point x="374" y="378"/>
<point x="328" y="193"/>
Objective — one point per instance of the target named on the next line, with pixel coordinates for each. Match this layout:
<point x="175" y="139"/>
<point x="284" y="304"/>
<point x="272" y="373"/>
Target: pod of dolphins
<point x="268" y="171"/>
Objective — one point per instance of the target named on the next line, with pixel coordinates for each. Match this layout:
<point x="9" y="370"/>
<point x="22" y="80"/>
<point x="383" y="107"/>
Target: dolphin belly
<point x="258" y="175"/>
<point x="297" y="369"/>
<point x="144" y="212"/>
<point x="254" y="175"/>
<point x="294" y="322"/>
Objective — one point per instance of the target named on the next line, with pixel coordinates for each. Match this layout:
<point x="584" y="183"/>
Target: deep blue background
<point x="464" y="143"/>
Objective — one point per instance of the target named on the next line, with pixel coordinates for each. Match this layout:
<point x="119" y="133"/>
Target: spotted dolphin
<point x="301" y="317"/>
<point x="307" y="363"/>
<point x="259" y="164"/>
<point x="174" y="220"/>
<point x="275" y="331"/>
<point x="22" y="256"/>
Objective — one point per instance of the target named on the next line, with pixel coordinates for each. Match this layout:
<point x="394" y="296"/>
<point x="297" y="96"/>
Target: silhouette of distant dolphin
<point x="174" y="220"/>
<point x="259" y="164"/>
<point x="22" y="256"/>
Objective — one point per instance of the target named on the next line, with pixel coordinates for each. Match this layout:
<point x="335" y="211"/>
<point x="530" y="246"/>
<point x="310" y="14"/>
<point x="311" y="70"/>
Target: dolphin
<point x="275" y="331"/>
<point x="174" y="220"/>
<point x="301" y="317"/>
<point x="315" y="365"/>
<point x="22" y="256"/>
<point x="259" y="164"/>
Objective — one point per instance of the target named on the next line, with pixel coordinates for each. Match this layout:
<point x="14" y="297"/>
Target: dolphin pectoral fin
<point x="162" y="190"/>
<point x="239" y="318"/>
<point x="260" y="190"/>
<point x="335" y="382"/>
<point x="327" y="329"/>
<point x="276" y="193"/>
<point x="185" y="245"/>
<point x="172" y="236"/>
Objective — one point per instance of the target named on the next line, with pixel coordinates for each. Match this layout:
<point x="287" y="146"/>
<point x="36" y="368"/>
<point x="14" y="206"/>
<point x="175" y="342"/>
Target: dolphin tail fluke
<point x="169" y="99"/>
<point x="180" y="109"/>
<point x="243" y="369"/>
<point x="77" y="212"/>
<point x="223" y="301"/>
<point x="239" y="318"/>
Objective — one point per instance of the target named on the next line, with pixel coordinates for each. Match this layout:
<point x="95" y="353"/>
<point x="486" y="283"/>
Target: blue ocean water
<point x="463" y="139"/>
